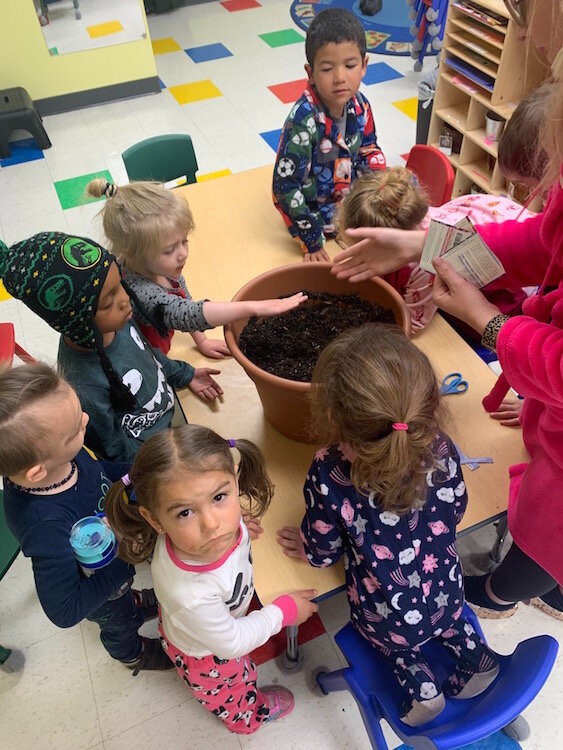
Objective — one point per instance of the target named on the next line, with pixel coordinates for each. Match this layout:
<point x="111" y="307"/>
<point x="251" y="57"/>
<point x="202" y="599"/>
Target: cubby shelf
<point x="484" y="66"/>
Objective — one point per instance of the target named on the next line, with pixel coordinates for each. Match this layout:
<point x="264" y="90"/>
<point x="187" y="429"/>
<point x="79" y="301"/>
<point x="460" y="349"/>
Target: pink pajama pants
<point x="225" y="687"/>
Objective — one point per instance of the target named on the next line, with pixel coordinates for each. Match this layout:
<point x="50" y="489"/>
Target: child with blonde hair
<point x="147" y="227"/>
<point x="386" y="491"/>
<point x="180" y="504"/>
<point x="394" y="199"/>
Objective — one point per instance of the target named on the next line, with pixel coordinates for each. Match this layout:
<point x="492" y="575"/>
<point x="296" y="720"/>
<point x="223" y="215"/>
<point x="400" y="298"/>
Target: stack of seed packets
<point x="464" y="250"/>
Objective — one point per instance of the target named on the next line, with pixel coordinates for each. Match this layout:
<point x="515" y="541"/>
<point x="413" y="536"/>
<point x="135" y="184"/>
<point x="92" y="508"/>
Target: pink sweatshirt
<point x="530" y="350"/>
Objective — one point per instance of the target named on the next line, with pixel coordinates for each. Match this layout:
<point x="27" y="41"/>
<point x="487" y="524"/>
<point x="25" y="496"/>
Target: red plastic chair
<point x="434" y="172"/>
<point x="9" y="345"/>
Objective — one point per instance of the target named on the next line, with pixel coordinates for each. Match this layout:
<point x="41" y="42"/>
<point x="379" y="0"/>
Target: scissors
<point x="472" y="462"/>
<point x="453" y="383"/>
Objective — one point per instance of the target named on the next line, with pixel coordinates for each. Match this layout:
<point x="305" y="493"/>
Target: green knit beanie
<point x="59" y="277"/>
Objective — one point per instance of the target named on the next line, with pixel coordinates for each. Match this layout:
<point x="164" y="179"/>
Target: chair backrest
<point x="162" y="158"/>
<point x="434" y="172"/>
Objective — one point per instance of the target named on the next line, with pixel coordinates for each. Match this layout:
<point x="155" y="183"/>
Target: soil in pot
<point x="289" y="345"/>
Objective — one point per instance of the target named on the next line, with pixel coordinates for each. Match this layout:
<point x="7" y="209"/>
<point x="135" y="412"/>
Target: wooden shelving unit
<point x="485" y="65"/>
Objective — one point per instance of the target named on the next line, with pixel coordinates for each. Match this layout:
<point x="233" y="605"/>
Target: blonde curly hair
<point x="383" y="199"/>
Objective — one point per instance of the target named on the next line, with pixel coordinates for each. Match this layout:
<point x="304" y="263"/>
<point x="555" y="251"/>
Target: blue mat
<point x="497" y="741"/>
<point x="387" y="33"/>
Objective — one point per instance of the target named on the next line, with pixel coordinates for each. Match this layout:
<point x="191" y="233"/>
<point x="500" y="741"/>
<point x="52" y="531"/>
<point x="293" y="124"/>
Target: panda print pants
<point x="225" y="687"/>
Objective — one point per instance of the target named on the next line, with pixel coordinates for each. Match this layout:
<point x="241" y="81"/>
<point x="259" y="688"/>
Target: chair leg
<point x="5" y="151"/>
<point x="38" y="131"/>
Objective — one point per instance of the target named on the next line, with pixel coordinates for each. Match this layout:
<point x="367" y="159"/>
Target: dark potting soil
<point x="289" y="345"/>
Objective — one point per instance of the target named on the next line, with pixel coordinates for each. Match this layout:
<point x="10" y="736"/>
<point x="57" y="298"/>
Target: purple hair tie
<point x="126" y="481"/>
<point x="232" y="442"/>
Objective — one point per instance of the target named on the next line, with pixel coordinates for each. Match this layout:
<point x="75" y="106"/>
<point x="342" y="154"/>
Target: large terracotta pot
<point x="286" y="402"/>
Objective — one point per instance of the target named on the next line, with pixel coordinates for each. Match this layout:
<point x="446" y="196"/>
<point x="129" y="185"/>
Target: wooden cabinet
<point x="485" y="65"/>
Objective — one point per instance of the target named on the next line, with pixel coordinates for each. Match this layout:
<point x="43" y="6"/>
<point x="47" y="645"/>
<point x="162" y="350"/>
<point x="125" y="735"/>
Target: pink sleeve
<point x="531" y="356"/>
<point x="520" y="249"/>
<point x="288" y="607"/>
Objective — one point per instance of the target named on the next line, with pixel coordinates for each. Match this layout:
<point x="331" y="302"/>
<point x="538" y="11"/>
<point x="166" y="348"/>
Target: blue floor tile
<point x="161" y="83"/>
<point x="272" y="138"/>
<point x="208" y="52"/>
<point x="22" y="151"/>
<point x="379" y="73"/>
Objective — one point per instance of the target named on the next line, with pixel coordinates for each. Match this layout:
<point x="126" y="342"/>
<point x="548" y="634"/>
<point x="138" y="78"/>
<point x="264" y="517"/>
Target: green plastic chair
<point x="162" y="158"/>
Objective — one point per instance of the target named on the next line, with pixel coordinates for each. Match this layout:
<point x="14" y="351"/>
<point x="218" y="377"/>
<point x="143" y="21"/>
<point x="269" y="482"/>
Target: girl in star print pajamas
<point x="387" y="493"/>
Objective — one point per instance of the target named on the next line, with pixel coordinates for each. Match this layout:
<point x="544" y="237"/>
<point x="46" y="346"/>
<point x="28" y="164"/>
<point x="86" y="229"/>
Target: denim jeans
<point x="119" y="620"/>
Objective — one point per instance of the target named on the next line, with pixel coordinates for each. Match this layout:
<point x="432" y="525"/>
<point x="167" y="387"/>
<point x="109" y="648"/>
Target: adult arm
<point x="377" y="252"/>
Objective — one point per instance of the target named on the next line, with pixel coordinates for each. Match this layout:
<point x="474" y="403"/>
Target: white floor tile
<point x="50" y="703"/>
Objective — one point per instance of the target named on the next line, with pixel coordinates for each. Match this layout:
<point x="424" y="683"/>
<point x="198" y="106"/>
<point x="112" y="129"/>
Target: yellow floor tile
<point x="213" y="175"/>
<point x="3" y="293"/>
<point x="194" y="92"/>
<point x="408" y="106"/>
<point x="162" y="46"/>
<point x="103" y="29"/>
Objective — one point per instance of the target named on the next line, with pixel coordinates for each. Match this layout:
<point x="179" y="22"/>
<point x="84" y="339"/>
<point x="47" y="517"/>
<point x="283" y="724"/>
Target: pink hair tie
<point x="400" y="426"/>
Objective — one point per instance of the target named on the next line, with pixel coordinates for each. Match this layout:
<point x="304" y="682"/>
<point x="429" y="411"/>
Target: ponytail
<point x="136" y="536"/>
<point x="254" y="482"/>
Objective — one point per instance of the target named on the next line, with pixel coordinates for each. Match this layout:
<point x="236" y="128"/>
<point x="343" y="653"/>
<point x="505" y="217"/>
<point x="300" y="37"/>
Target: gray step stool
<point x="17" y="112"/>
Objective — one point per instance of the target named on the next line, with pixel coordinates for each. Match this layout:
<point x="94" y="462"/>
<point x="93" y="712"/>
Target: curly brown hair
<point x="365" y="381"/>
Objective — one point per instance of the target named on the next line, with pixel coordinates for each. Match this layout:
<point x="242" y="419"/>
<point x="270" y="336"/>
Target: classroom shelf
<point x="485" y="65"/>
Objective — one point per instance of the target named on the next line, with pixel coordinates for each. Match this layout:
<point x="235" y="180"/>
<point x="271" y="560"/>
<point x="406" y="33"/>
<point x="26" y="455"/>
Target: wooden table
<point x="239" y="235"/>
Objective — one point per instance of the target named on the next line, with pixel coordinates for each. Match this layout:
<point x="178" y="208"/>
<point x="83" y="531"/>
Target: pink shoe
<point x="279" y="700"/>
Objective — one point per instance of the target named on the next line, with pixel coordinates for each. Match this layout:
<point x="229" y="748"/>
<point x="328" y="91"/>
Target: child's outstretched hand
<point x="289" y="538"/>
<point x="321" y="256"/>
<point x="203" y="384"/>
<point x="213" y="348"/>
<point x="267" y="307"/>
<point x="253" y="525"/>
<point x="508" y="413"/>
<point x="305" y="607"/>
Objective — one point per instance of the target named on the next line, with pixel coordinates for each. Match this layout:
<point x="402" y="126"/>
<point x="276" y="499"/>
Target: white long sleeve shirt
<point x="204" y="607"/>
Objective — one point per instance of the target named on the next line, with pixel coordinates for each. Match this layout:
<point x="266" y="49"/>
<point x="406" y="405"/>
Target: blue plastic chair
<point x="378" y="695"/>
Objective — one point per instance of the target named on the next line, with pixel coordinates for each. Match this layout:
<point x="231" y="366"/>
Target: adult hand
<point x="508" y="413"/>
<point x="289" y="538"/>
<point x="269" y="307"/>
<point x="456" y="296"/>
<point x="305" y="607"/>
<point x="377" y="252"/>
<point x="214" y="348"/>
<point x="203" y="384"/>
<point x="253" y="525"/>
<point x="321" y="256"/>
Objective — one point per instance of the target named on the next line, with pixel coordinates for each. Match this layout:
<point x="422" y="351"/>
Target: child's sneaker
<point x="279" y="700"/>
<point x="481" y="603"/>
<point x="152" y="657"/>
<point x="551" y="603"/>
<point x="146" y="601"/>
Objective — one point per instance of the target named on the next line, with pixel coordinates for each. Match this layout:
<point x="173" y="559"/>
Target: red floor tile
<point x="232" y="5"/>
<point x="289" y="92"/>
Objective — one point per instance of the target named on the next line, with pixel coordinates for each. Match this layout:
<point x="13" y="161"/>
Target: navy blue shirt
<point x="403" y="573"/>
<point x="42" y="524"/>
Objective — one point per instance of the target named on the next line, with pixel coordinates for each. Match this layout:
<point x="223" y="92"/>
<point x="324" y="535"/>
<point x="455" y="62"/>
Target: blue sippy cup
<point x="93" y="543"/>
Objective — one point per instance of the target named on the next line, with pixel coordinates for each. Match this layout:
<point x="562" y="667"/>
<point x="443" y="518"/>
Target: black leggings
<point x="518" y="577"/>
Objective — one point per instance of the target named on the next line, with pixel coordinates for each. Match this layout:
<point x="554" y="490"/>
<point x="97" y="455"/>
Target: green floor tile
<point x="279" y="38"/>
<point x="72" y="192"/>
